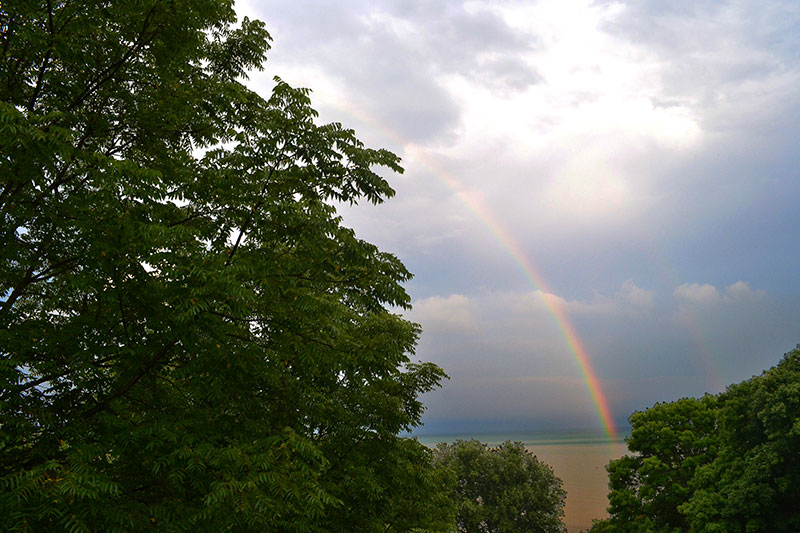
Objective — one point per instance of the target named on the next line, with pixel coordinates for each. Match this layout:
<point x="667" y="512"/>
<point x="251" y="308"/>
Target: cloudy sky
<point x="627" y="172"/>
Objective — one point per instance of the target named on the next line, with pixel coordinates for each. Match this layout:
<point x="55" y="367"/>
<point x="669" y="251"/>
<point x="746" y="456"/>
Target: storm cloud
<point x="641" y="156"/>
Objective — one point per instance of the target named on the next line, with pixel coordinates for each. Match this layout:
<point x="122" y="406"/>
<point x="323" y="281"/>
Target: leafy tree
<point x="189" y="337"/>
<point x="669" y="442"/>
<point x="502" y="489"/>
<point x="753" y="483"/>
<point x="718" y="464"/>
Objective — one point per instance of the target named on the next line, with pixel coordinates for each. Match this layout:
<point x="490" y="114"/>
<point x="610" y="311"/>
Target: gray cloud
<point x="738" y="61"/>
<point x="391" y="56"/>
<point x="479" y="45"/>
<point x="640" y="157"/>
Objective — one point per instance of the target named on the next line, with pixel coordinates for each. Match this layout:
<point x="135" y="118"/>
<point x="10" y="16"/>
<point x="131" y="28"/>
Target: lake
<point x="578" y="458"/>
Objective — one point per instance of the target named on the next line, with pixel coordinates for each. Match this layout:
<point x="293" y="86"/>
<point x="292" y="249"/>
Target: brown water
<point x="582" y="469"/>
<point x="578" y="459"/>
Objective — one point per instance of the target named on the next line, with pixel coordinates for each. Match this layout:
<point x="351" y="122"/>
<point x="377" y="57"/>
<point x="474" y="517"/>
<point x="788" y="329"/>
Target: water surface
<point x="578" y="458"/>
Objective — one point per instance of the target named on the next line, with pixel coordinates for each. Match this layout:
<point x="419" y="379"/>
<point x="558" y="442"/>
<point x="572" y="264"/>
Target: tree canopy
<point x="189" y="336"/>
<point x="722" y="463"/>
<point x="502" y="489"/>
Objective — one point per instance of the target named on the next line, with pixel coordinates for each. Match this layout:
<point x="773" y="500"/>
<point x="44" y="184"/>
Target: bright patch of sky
<point x="641" y="156"/>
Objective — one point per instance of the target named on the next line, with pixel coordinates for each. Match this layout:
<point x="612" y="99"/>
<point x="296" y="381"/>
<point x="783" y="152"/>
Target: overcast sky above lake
<point x="643" y="158"/>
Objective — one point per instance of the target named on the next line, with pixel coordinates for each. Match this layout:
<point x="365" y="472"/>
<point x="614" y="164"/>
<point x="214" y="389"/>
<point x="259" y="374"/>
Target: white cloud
<point x="616" y="96"/>
<point x="708" y="294"/>
<point x="741" y="291"/>
<point x="636" y="296"/>
<point x="584" y="128"/>
<point x="729" y="61"/>
<point x="538" y="305"/>
<point x="694" y="292"/>
<point x="453" y="313"/>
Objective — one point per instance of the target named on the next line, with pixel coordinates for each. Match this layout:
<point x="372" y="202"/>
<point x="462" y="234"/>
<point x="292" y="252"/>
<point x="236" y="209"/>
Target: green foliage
<point x="722" y="463"/>
<point x="502" y="489"/>
<point x="190" y="338"/>
<point x="669" y="441"/>
<point x="753" y="483"/>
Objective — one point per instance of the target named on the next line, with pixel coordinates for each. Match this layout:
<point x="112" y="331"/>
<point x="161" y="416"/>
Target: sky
<point x="600" y="199"/>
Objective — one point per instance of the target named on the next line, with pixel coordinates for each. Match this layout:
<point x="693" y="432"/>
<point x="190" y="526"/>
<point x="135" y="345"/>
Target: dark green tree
<point x="669" y="441"/>
<point x="189" y="337"/>
<point x="502" y="489"/>
<point x="722" y="463"/>
<point x="753" y="483"/>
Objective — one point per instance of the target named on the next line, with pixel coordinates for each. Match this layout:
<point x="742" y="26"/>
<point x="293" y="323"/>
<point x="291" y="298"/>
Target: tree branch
<point x="102" y="406"/>
<point x="253" y="210"/>
<point x="247" y="221"/>
<point x="39" y="80"/>
<point x="16" y="292"/>
<point x="110" y="71"/>
<point x="191" y="217"/>
<point x="51" y="377"/>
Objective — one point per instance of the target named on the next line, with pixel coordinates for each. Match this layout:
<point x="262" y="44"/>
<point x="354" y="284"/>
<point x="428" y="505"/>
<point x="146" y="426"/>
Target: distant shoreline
<point x="550" y="438"/>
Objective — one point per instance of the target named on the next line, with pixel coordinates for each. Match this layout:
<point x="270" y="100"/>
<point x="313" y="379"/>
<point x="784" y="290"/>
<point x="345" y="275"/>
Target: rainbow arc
<point x="553" y="304"/>
<point x="507" y="241"/>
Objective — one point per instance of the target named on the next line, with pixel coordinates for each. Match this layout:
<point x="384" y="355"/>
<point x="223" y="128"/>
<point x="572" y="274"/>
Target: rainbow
<point x="554" y="305"/>
<point x="509" y="243"/>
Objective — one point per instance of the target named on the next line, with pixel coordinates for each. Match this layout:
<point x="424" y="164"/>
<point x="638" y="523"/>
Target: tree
<point x="669" y="442"/>
<point x="189" y="337"/>
<point x="721" y="463"/>
<point x="502" y="489"/>
<point x="753" y="483"/>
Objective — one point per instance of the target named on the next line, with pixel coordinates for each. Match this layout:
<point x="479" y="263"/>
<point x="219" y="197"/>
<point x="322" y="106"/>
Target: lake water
<point x="579" y="459"/>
